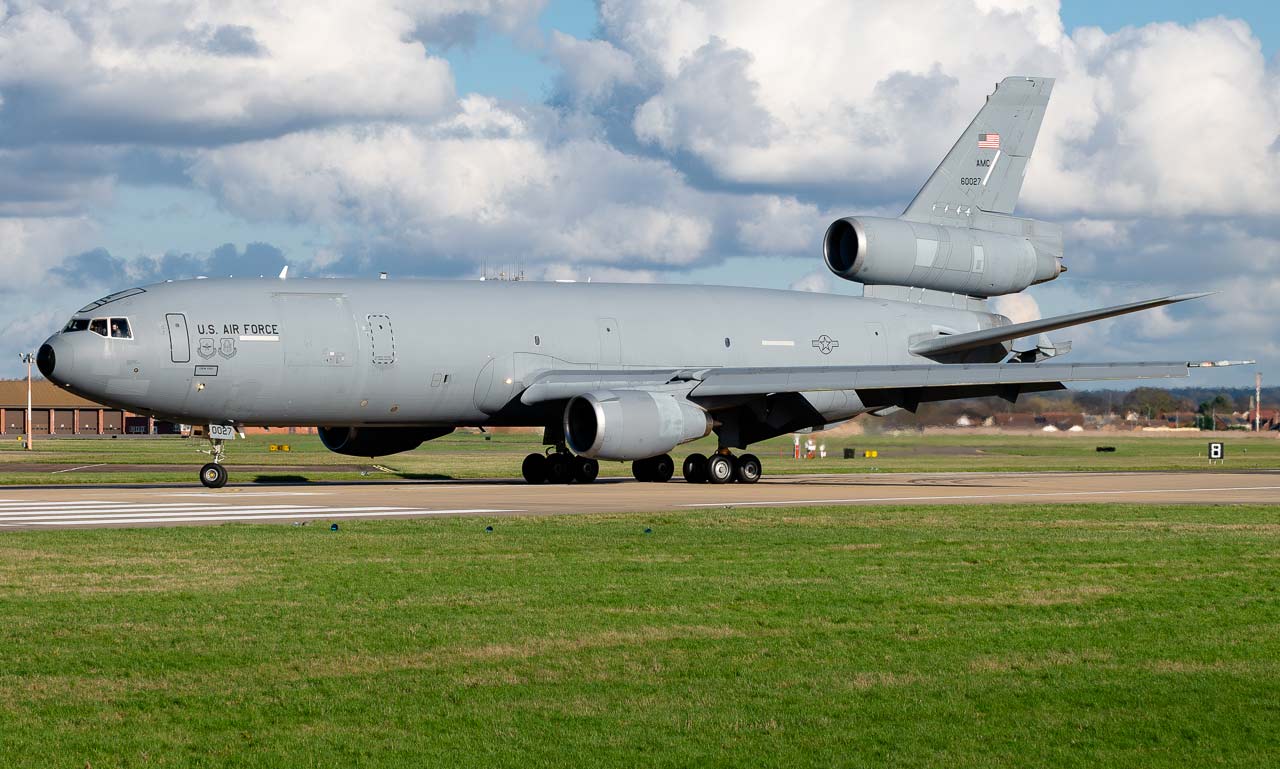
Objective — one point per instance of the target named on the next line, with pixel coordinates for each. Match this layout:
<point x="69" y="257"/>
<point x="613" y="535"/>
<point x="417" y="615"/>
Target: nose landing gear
<point x="213" y="475"/>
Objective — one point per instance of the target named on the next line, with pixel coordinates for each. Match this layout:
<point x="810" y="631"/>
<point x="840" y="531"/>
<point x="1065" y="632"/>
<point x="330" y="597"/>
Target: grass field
<point x="962" y="636"/>
<point x="470" y="455"/>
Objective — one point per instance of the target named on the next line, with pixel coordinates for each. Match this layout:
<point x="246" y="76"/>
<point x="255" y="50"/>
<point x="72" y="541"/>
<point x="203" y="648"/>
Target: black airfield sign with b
<point x="1215" y="451"/>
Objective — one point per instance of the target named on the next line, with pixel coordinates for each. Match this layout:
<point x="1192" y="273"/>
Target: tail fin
<point x="985" y="167"/>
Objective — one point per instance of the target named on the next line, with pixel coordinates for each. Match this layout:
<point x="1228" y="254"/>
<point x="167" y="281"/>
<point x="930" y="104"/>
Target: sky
<point x="648" y="140"/>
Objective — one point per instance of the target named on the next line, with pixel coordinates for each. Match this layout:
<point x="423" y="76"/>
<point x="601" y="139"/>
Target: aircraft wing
<point x="947" y="343"/>
<point x="913" y="383"/>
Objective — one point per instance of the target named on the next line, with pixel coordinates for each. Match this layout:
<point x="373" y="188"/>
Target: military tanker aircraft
<point x="616" y="372"/>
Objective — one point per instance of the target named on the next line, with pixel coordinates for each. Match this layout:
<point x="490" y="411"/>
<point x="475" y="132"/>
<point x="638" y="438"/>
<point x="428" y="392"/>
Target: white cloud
<point x="196" y="72"/>
<point x="489" y="184"/>
<point x="816" y="282"/>
<point x="591" y="68"/>
<point x="29" y="246"/>
<point x="1019" y="308"/>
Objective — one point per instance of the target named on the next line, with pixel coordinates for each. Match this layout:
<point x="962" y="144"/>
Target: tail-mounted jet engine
<point x="377" y="441"/>
<point x="962" y="260"/>
<point x="631" y="424"/>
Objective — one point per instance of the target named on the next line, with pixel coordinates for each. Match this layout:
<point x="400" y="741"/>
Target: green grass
<point x="964" y="636"/>
<point x="470" y="455"/>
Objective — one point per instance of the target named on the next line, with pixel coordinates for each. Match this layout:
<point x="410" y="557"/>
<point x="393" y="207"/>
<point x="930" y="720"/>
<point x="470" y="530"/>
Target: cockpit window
<point x="116" y="328"/>
<point x="128" y="292"/>
<point x="76" y="324"/>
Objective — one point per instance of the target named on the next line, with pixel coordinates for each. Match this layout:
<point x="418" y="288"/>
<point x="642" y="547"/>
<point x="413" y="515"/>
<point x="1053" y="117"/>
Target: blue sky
<point x="705" y="141"/>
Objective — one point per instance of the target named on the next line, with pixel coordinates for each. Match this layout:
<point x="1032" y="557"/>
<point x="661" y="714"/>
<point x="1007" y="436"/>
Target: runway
<point x="172" y="505"/>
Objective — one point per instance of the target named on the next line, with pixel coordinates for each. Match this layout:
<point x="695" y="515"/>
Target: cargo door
<point x="610" y="341"/>
<point x="179" y="339"/>
<point x="316" y="330"/>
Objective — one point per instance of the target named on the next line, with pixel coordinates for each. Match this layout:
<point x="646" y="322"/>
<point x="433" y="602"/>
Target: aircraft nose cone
<point x="46" y="359"/>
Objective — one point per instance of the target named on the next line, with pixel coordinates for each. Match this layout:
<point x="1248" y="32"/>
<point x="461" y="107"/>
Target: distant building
<point x="54" y="411"/>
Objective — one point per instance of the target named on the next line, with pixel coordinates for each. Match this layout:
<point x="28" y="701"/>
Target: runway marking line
<point x="873" y="500"/>
<point x="73" y="469"/>
<point x="331" y="512"/>
<point x="46" y="511"/>
<point x="238" y="494"/>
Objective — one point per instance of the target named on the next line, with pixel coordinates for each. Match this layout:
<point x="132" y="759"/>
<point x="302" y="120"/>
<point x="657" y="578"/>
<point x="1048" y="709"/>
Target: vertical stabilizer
<point x="984" y="169"/>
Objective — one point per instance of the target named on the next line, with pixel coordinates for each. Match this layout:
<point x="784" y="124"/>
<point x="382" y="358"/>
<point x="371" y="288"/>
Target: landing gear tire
<point x="657" y="469"/>
<point x="661" y="468"/>
<point x="585" y="469"/>
<point x="695" y="468"/>
<point x="560" y="468"/>
<point x="213" y="476"/>
<point x="641" y="470"/>
<point x="719" y="468"/>
<point x="534" y="468"/>
<point x="747" y="469"/>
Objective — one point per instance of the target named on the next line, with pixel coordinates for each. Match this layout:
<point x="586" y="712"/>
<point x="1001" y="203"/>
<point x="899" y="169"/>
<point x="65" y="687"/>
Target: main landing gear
<point x="657" y="469"/>
<point x="722" y="467"/>
<point x="213" y="475"/>
<point x="559" y="466"/>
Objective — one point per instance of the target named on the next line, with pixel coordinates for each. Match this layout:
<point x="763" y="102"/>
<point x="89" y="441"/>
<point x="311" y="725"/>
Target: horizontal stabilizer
<point x="948" y="343"/>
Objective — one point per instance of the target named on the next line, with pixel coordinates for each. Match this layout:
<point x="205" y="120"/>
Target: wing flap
<point x="719" y="382"/>
<point x="729" y="381"/>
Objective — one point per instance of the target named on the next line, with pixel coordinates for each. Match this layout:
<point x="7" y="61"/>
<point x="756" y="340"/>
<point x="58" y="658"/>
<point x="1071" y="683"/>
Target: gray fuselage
<point x="423" y="352"/>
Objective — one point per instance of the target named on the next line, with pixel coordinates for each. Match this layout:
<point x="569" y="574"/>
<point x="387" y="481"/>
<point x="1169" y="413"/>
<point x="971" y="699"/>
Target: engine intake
<point x="961" y="260"/>
<point x="377" y="441"/>
<point x="631" y="424"/>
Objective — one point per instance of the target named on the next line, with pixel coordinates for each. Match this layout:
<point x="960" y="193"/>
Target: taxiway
<point x="156" y="505"/>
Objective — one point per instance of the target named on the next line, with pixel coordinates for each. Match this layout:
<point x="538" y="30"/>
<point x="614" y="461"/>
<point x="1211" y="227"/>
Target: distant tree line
<point x="1148" y="402"/>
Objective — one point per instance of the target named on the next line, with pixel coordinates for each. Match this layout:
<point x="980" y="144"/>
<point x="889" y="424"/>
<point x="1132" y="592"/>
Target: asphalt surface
<point x="170" y="505"/>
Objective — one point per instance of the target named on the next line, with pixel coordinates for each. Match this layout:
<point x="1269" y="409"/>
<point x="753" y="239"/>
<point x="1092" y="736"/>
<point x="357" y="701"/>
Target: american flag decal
<point x="989" y="141"/>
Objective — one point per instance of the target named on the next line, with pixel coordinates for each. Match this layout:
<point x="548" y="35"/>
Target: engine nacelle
<point x="377" y="441"/>
<point x="961" y="260"/>
<point x="631" y="424"/>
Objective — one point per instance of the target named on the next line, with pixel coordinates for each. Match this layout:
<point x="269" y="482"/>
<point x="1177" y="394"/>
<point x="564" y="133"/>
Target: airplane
<point x="617" y="372"/>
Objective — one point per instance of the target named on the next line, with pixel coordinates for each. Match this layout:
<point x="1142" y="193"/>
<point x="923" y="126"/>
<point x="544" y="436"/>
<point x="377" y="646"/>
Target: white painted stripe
<point x="25" y="502"/>
<point x="229" y="511"/>
<point x="71" y="506"/>
<point x="260" y="338"/>
<point x="231" y="494"/>
<point x="991" y="168"/>
<point x="1015" y="495"/>
<point x="332" y="513"/>
<point x="139" y="510"/>
<point x="81" y="467"/>
<point x="777" y="343"/>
